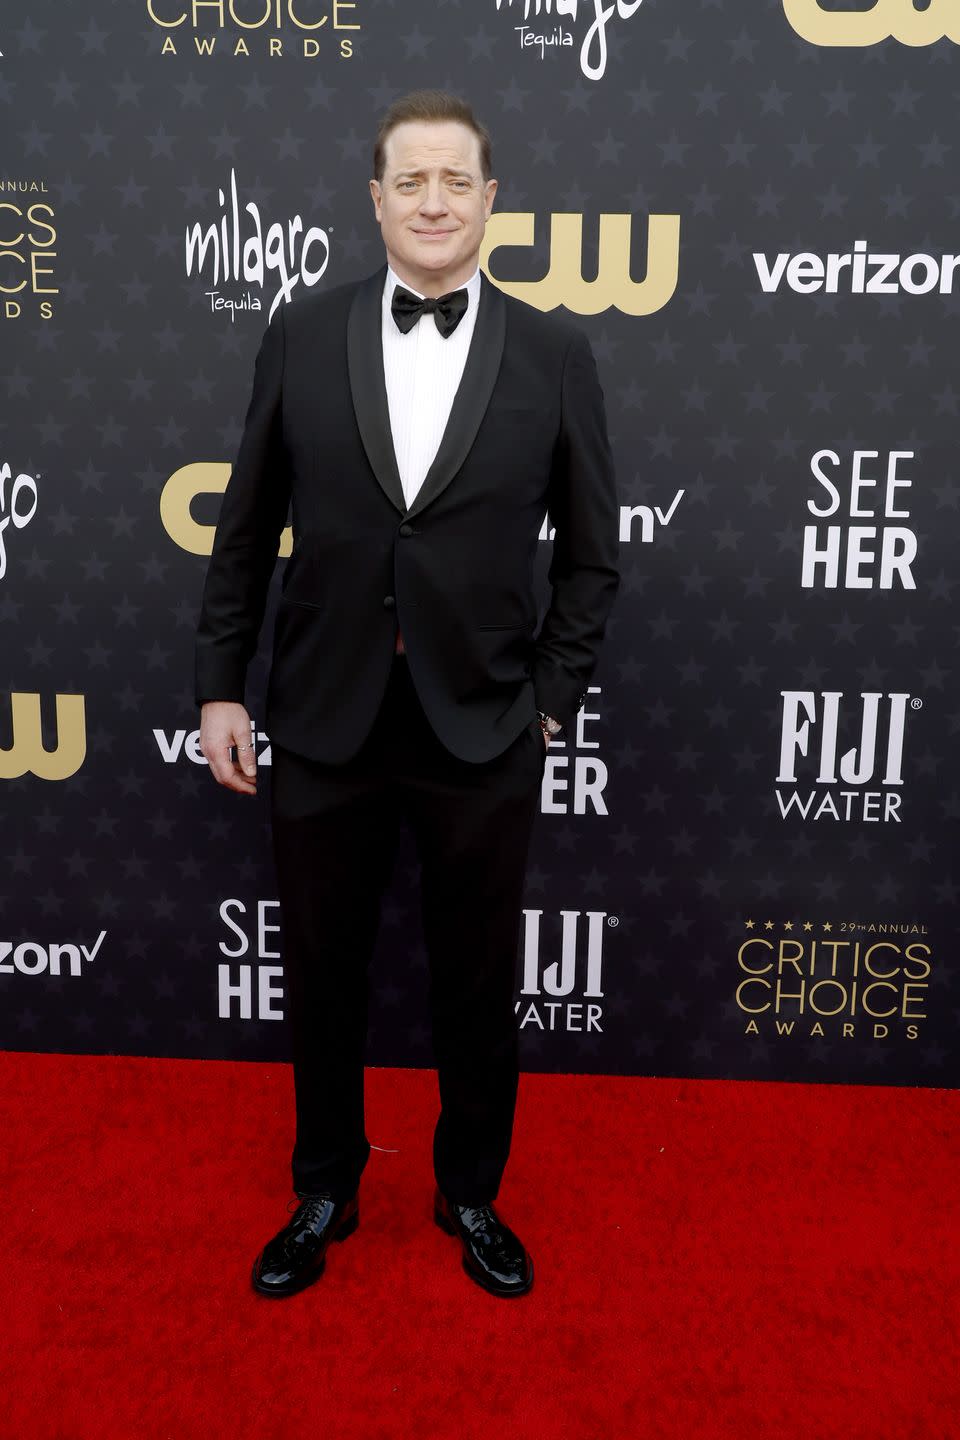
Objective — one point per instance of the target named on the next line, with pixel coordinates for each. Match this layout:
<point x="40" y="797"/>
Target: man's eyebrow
<point x="447" y="170"/>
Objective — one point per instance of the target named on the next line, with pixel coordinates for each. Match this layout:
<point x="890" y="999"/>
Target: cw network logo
<point x="29" y="957"/>
<point x="563" y="284"/>
<point x="885" y="20"/>
<point x="857" y="272"/>
<point x="27" y="755"/>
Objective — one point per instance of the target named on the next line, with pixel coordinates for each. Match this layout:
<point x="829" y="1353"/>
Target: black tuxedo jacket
<point x="526" y="434"/>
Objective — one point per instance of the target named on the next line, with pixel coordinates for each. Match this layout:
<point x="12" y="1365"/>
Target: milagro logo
<point x="562" y="990"/>
<point x="61" y="957"/>
<point x="18" y="505"/>
<point x="280" y="23"/>
<point x="235" y="249"/>
<point x="810" y="729"/>
<point x="859" y="271"/>
<point x="593" y="45"/>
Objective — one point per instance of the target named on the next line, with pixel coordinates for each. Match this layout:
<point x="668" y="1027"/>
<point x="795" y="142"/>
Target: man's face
<point x="432" y="204"/>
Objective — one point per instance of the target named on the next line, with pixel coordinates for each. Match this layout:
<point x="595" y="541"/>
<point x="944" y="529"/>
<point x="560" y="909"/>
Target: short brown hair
<point x="430" y="105"/>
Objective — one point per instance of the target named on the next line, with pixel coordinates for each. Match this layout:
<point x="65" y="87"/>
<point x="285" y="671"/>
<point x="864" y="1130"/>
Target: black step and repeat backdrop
<point x="745" y="863"/>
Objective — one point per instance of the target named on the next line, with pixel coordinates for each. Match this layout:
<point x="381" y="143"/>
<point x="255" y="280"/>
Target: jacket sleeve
<point x="252" y="515"/>
<point x="584" y="573"/>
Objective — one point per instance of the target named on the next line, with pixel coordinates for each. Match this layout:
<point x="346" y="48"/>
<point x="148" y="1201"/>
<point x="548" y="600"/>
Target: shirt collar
<point x="472" y="286"/>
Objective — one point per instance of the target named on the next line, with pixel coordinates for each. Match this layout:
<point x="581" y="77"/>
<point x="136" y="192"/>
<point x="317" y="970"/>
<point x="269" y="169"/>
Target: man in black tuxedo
<point x="420" y="423"/>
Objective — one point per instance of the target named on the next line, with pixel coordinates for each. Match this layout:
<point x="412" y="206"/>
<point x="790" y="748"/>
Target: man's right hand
<point x="224" y="723"/>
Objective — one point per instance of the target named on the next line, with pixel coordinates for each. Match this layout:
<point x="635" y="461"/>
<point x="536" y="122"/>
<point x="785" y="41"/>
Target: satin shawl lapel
<point x="472" y="397"/>
<point x="368" y="387"/>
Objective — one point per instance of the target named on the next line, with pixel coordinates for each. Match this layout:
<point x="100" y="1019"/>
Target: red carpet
<point x="714" y="1259"/>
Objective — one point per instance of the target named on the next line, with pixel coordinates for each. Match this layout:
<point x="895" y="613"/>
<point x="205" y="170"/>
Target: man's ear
<point x="376" y="196"/>
<point x="489" y="190"/>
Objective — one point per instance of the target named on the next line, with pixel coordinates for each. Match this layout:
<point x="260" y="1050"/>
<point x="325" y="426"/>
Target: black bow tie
<point x="447" y="310"/>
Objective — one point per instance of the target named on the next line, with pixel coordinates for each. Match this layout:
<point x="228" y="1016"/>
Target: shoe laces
<point x="308" y="1208"/>
<point x="483" y="1220"/>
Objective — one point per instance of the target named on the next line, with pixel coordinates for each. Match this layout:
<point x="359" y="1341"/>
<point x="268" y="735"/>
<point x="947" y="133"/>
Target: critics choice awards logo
<point x="236" y="248"/>
<point x="843" y="980"/>
<point x="309" y="28"/>
<point x="558" y="25"/>
<point x="28" y="239"/>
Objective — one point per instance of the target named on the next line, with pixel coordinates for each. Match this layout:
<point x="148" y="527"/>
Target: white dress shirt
<point x="422" y="371"/>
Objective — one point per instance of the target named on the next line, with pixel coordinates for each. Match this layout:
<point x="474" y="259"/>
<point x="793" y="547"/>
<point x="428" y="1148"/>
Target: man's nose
<point x="434" y="201"/>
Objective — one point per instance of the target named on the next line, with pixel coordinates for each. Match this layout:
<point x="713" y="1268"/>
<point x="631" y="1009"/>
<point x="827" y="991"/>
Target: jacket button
<point x="389" y="603"/>
<point x="406" y="530"/>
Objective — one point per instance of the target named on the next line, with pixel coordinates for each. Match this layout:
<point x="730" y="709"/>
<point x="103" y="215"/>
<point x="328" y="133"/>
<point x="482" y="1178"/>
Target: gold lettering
<point x="247" y="24"/>
<point x="756" y="940"/>
<point x="207" y="5"/>
<point x="167" y="24"/>
<point x="339" y="5"/>
<point x="564" y="284"/>
<point x="27" y="755"/>
<point x="878" y="985"/>
<point x="869" y="967"/>
<point x="32" y="216"/>
<point x="752" y="1009"/>
<point x="910" y="999"/>
<point x="306" y="25"/>
<point x="37" y="270"/>
<point x="12" y="289"/>
<point x="787" y="959"/>
<point x="925" y="966"/>
<point x="7" y="205"/>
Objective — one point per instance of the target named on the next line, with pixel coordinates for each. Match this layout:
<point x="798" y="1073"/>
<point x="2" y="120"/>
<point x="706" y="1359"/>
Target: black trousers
<point x="335" y="832"/>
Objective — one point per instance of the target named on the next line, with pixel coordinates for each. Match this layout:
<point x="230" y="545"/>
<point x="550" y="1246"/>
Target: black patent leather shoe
<point x="296" y="1256"/>
<point x="492" y="1254"/>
